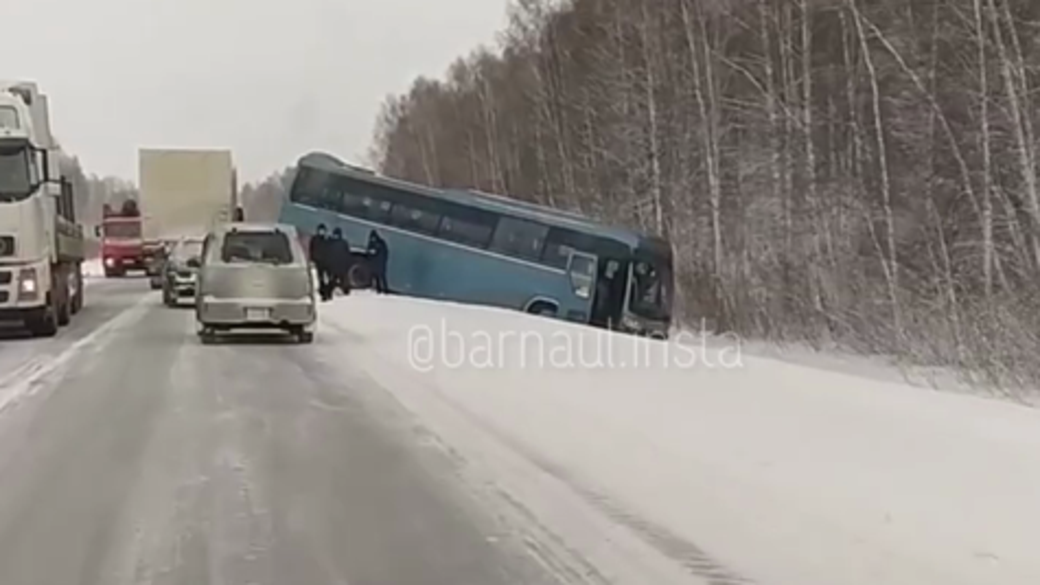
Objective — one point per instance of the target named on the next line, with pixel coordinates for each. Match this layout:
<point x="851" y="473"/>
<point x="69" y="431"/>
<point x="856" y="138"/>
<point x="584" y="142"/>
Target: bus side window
<point x="466" y="226"/>
<point x="331" y="199"/>
<point x="366" y="202"/>
<point x="376" y="209"/>
<point x="413" y="219"/>
<point x="519" y="238"/>
<point x="353" y="205"/>
<point x="558" y="247"/>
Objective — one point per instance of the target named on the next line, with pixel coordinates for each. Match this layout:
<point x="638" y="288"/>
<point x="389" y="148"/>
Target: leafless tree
<point x="837" y="171"/>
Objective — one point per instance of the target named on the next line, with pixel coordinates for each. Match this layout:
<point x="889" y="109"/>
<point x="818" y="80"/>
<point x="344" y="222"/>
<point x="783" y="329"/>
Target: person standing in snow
<point x="339" y="262"/>
<point x="319" y="247"/>
<point x="378" y="254"/>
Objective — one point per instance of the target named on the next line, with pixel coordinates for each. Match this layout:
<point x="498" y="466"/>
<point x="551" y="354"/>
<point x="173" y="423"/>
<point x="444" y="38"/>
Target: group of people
<point x="333" y="259"/>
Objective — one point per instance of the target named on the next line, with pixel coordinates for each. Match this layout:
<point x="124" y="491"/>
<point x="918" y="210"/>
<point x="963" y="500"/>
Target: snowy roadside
<point x="710" y="456"/>
<point x="872" y="367"/>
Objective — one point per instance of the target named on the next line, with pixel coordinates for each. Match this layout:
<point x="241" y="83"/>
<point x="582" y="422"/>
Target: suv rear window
<point x="263" y="247"/>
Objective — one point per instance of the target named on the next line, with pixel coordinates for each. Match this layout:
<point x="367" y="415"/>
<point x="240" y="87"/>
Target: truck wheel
<point x="61" y="297"/>
<point x="64" y="315"/>
<point x="46" y="325"/>
<point x="77" y="297"/>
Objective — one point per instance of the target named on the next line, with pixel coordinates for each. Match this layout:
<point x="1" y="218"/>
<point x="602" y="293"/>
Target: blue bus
<point x="478" y="248"/>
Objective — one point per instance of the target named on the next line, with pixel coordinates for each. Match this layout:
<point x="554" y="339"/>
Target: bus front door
<point x="582" y="270"/>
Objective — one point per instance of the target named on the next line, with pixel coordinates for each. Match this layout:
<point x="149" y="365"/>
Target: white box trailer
<point x="185" y="192"/>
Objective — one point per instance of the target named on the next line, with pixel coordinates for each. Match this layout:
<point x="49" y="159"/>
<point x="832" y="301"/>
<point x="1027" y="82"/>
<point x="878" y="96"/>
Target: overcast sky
<point x="270" y="79"/>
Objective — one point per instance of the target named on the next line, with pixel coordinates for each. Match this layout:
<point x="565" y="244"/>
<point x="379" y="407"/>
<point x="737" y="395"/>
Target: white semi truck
<point x="183" y="192"/>
<point x="41" y="243"/>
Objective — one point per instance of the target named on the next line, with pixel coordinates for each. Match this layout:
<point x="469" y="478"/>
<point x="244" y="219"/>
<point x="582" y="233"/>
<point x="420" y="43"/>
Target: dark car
<point x="155" y="260"/>
<point x="180" y="270"/>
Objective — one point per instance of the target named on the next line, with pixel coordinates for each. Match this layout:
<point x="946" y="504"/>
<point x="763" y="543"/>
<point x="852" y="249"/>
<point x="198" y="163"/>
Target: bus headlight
<point x="27" y="285"/>
<point x="582" y="291"/>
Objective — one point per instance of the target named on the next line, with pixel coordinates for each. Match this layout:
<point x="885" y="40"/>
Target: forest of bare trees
<point x="852" y="172"/>
<point x="91" y="193"/>
<point x="263" y="199"/>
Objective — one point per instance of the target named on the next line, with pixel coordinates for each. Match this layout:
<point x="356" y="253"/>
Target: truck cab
<point x="41" y="245"/>
<point x="122" y="248"/>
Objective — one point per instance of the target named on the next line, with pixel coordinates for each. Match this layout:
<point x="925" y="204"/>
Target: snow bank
<point x="714" y="459"/>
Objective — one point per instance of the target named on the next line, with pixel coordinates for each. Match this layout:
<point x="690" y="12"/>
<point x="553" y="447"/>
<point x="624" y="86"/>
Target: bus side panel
<point x="428" y="268"/>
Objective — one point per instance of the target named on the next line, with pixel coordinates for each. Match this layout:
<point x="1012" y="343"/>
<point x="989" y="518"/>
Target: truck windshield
<point x="9" y="118"/>
<point x="123" y="230"/>
<point x="651" y="290"/>
<point x="15" y="176"/>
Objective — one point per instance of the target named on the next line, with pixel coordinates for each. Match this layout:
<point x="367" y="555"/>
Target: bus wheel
<point x="542" y="308"/>
<point x="360" y="276"/>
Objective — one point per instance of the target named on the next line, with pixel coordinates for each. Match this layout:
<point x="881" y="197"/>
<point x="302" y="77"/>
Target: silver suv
<point x="255" y="277"/>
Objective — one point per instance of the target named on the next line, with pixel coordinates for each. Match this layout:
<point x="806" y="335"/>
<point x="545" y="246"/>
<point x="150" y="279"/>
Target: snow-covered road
<point x="712" y="463"/>
<point x="134" y="454"/>
<point x="423" y="443"/>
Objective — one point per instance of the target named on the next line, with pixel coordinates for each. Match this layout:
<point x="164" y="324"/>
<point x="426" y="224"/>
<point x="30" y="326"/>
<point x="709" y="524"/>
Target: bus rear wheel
<point x="543" y="309"/>
<point x="360" y="276"/>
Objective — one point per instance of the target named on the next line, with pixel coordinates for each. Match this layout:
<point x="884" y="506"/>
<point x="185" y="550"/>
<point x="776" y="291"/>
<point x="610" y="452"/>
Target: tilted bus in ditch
<point x="472" y="247"/>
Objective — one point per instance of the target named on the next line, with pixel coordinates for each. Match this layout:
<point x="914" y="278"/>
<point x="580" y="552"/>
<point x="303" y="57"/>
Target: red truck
<point x="122" y="248"/>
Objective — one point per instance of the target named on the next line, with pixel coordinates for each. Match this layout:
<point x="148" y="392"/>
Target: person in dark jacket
<point x="378" y="254"/>
<point x="339" y="261"/>
<point x="319" y="248"/>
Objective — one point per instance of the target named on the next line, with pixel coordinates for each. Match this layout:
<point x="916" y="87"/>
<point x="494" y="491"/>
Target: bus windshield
<point x="15" y="176"/>
<point x="651" y="290"/>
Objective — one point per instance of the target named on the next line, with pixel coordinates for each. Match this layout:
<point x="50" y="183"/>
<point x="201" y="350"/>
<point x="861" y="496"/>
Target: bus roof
<point x="490" y="202"/>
